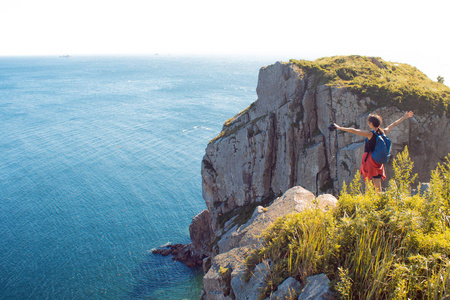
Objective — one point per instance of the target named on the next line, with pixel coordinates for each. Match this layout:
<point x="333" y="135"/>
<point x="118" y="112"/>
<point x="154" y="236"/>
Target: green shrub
<point x="389" y="245"/>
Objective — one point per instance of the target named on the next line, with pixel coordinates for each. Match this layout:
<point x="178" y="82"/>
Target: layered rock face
<point x="282" y="140"/>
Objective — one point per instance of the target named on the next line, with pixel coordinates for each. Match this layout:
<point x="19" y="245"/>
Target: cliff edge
<point x="282" y="139"/>
<point x="281" y="142"/>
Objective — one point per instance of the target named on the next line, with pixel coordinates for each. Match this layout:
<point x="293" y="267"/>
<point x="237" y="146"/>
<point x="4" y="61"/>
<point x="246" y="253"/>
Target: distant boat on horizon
<point x="64" y="56"/>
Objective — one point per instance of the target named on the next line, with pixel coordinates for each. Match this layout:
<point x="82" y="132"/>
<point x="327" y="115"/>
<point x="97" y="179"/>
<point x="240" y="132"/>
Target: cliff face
<point x="282" y="140"/>
<point x="281" y="144"/>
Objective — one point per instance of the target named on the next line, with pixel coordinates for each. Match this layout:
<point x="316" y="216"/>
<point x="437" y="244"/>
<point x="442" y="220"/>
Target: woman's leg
<point x="377" y="184"/>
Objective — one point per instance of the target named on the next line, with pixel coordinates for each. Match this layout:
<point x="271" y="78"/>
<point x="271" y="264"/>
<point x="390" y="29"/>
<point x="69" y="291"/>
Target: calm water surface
<point x="100" y="162"/>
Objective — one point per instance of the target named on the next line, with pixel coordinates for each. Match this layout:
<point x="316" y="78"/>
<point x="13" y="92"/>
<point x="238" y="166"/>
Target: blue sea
<point x="100" y="163"/>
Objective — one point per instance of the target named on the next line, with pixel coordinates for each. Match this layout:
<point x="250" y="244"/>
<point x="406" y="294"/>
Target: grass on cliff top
<point x="387" y="83"/>
<point x="391" y="245"/>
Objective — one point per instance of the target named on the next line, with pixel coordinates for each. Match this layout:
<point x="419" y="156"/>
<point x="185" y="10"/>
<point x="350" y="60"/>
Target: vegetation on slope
<point x="391" y="245"/>
<point x="387" y="83"/>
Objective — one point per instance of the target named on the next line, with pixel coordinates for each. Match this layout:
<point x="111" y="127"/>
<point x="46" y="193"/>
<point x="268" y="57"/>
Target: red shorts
<point x="371" y="168"/>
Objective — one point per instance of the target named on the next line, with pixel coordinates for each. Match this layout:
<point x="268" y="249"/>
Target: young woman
<point x="369" y="168"/>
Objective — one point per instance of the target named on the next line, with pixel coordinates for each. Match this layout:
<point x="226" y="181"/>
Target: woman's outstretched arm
<point x="407" y="115"/>
<point x="365" y="133"/>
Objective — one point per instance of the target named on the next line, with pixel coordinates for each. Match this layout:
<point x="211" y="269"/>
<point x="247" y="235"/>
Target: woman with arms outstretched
<point x="370" y="169"/>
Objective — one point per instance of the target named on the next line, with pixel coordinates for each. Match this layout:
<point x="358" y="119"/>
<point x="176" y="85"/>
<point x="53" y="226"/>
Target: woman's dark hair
<point x="375" y="120"/>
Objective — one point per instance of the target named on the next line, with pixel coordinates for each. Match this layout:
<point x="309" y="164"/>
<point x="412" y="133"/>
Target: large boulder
<point x="224" y="278"/>
<point x="295" y="199"/>
<point x="317" y="288"/>
<point x="251" y="289"/>
<point x="217" y="281"/>
<point x="288" y="289"/>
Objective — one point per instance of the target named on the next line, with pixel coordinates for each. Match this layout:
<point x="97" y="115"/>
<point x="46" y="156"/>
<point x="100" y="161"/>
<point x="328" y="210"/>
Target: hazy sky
<point x="413" y="32"/>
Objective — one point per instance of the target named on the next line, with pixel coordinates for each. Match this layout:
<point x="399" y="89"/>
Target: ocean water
<point x="100" y="162"/>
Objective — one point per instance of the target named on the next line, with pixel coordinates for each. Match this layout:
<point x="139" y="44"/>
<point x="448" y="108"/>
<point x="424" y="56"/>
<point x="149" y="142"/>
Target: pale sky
<point x="413" y="32"/>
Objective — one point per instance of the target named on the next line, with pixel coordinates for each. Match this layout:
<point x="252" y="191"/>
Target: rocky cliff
<point x="282" y="141"/>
